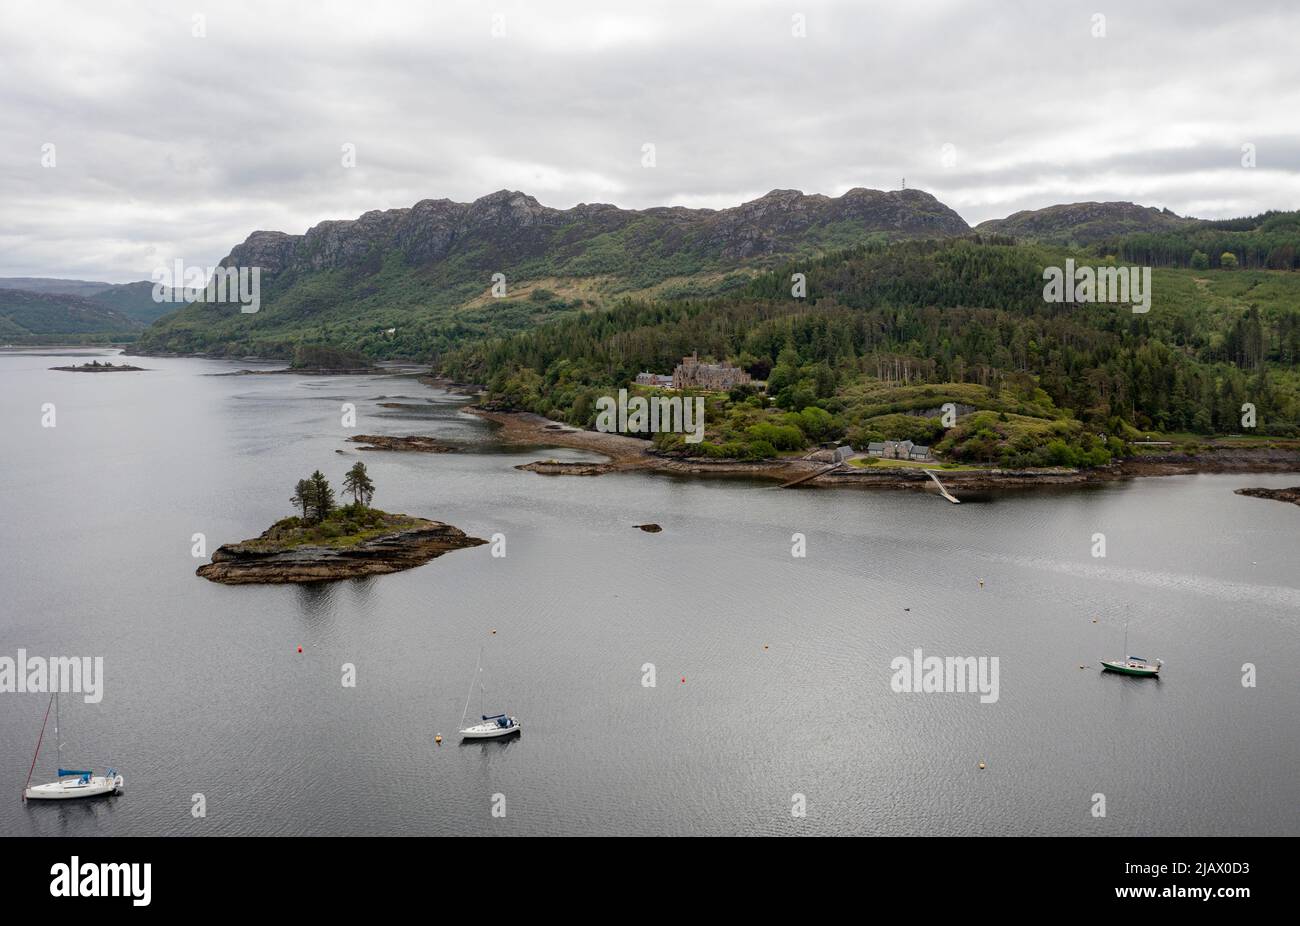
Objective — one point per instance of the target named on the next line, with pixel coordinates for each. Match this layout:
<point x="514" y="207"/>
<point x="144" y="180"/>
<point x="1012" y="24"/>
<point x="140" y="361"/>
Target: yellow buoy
<point x="981" y="765"/>
<point x="438" y="739"/>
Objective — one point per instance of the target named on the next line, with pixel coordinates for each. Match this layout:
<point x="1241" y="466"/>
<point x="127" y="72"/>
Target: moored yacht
<point x="1133" y="665"/>
<point x="72" y="783"/>
<point x="497" y="725"/>
<point x="491" y="726"/>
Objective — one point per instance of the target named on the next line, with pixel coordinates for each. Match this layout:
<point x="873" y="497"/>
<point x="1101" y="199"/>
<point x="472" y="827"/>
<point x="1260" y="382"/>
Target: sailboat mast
<point x="478" y="667"/>
<point x="58" y="736"/>
<point x="37" y="753"/>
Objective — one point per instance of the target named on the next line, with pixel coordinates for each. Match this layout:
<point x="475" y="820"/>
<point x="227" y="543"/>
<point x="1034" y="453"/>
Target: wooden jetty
<point x="944" y="492"/>
<point x="809" y="477"/>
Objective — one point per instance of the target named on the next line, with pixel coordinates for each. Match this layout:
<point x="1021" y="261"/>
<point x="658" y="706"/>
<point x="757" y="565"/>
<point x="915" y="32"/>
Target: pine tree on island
<point x="321" y="495"/>
<point x="357" y="482"/>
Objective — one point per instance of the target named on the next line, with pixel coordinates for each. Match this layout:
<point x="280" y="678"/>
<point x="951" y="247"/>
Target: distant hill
<point x="1084" y="223"/>
<point x="1154" y="237"/>
<point x="417" y="281"/>
<point x="30" y="317"/>
<point x="133" y="300"/>
<point x="46" y="285"/>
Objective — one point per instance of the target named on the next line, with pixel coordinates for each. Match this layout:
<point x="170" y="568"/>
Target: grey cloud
<point x="173" y="146"/>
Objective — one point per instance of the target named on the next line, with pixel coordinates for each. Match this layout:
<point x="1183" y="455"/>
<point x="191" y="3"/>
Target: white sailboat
<point x="72" y="783"/>
<point x="1133" y="665"/>
<point x="490" y="726"/>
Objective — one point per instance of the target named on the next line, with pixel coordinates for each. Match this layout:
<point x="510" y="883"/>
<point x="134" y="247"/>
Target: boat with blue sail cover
<point x="490" y="726"/>
<point x="71" y="783"/>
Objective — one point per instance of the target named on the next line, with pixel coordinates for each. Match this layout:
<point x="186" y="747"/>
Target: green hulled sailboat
<point x="1133" y="665"/>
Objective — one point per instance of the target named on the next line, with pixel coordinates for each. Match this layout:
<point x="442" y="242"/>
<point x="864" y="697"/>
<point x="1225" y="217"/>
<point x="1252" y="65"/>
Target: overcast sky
<point x="169" y="145"/>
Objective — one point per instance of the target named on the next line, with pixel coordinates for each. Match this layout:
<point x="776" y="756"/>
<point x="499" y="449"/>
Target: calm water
<point x="785" y="660"/>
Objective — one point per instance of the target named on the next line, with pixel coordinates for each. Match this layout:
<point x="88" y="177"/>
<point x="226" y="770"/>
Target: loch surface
<point x="772" y="672"/>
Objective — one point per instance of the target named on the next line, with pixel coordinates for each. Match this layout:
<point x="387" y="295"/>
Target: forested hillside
<point x="962" y="321"/>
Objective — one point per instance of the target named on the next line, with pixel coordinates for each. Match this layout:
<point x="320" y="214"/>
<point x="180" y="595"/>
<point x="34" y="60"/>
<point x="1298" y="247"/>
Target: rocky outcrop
<point x="378" y="267"/>
<point x="515" y="222"/>
<point x="254" y="562"/>
<point x="567" y="468"/>
<point x="97" y="367"/>
<point x="412" y="444"/>
<point x="1291" y="495"/>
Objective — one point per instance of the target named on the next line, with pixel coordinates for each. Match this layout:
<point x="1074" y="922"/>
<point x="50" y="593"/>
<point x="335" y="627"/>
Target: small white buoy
<point x="981" y="765"/>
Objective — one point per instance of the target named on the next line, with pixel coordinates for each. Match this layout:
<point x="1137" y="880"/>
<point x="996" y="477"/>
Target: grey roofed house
<point x="920" y="452"/>
<point x="896" y="450"/>
<point x="832" y="454"/>
<point x="876" y="448"/>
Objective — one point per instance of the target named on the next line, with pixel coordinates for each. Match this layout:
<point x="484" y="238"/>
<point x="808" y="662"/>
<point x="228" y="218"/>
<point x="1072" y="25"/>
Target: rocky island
<point x="329" y="542"/>
<point x="1291" y="495"/>
<point x="96" y="367"/>
<point x="566" y="468"/>
<point x="413" y="444"/>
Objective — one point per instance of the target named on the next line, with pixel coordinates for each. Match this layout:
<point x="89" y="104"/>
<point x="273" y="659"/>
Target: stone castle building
<point x="691" y="374"/>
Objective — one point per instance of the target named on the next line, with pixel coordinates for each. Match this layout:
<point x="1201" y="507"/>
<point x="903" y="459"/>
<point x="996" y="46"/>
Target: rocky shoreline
<point x="1291" y="495"/>
<point x="452" y="386"/>
<point x="630" y="453"/>
<point x="254" y="562"/>
<point x="306" y="371"/>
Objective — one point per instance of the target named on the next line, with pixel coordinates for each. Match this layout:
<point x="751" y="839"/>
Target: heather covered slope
<point x="416" y="281"/>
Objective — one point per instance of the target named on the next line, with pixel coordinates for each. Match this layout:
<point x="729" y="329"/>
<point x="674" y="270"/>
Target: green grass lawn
<point x="343" y="528"/>
<point x="881" y="462"/>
